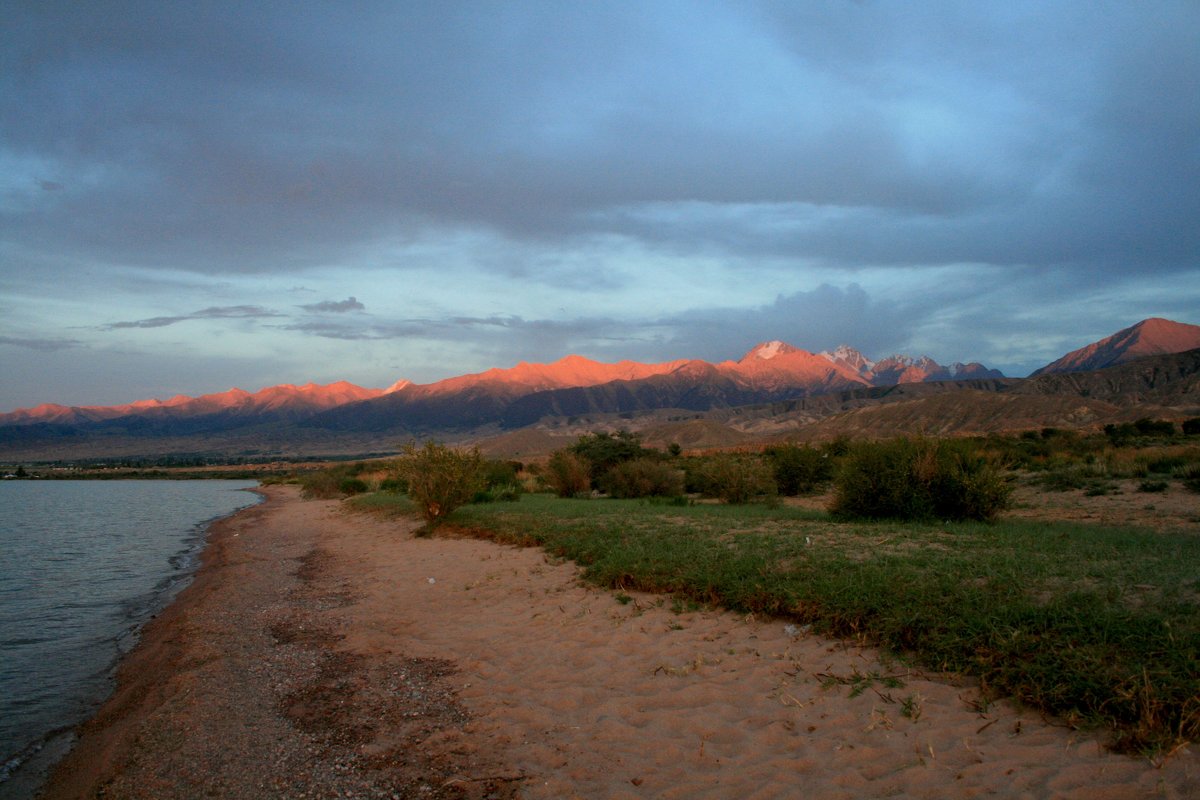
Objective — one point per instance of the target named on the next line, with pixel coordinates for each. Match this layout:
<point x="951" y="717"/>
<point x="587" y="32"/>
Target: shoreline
<point x="82" y="692"/>
<point x="145" y="662"/>
<point x="318" y="652"/>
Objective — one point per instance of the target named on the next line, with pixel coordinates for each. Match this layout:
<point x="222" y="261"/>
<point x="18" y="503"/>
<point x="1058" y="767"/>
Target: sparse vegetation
<point x="1190" y="477"/>
<point x="1100" y="626"/>
<point x="333" y="482"/>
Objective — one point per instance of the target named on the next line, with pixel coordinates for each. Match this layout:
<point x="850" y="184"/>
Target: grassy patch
<point x="385" y="504"/>
<point x="1100" y="626"/>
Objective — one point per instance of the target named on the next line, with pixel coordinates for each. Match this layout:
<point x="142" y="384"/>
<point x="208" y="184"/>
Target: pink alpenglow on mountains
<point x="310" y="397"/>
<point x="771" y="370"/>
<point x="1150" y="337"/>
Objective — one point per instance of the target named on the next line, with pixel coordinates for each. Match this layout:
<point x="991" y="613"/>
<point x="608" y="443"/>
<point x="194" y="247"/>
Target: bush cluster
<point x="602" y="451"/>
<point x="918" y="479"/>
<point x="616" y="463"/>
<point x="643" y="477"/>
<point x="735" y="478"/>
<point x="799" y="469"/>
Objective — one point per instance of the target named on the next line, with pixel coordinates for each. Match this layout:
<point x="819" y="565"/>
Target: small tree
<point x="567" y="474"/>
<point x="440" y="479"/>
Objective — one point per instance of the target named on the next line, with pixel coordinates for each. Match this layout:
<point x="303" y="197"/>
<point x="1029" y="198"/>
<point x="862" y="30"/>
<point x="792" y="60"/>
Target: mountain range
<point x="342" y="417"/>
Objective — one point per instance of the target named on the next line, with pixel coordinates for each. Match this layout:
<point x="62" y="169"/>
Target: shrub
<point x="918" y="479"/>
<point x="1152" y="486"/>
<point x="1190" y="475"/>
<point x="320" y="485"/>
<point x="440" y="479"/>
<point x="353" y="486"/>
<point x="736" y="479"/>
<point x="799" y="470"/>
<point x="394" y="485"/>
<point x="603" y="451"/>
<point x="500" y="473"/>
<point x="1154" y="427"/>
<point x="332" y="482"/>
<point x="643" y="477"/>
<point x="1167" y="464"/>
<point x="567" y="474"/>
<point x="1191" y="427"/>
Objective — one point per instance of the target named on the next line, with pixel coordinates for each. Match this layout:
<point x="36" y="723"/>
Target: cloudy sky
<point x="195" y="196"/>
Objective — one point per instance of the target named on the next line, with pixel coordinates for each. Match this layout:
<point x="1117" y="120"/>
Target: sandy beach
<point x="324" y="654"/>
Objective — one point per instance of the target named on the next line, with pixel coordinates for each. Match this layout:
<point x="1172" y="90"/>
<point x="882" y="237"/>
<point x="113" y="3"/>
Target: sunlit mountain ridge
<point x="775" y="389"/>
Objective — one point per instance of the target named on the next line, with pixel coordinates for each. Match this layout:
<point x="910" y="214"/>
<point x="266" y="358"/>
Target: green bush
<point x="394" y="485"/>
<point x="603" y="451"/>
<point x="500" y="473"/>
<point x="567" y="474"/>
<point x="643" y="477"/>
<point x="736" y="479"/>
<point x="799" y="469"/>
<point x="918" y="479"/>
<point x="440" y="479"/>
<point x="353" y="486"/>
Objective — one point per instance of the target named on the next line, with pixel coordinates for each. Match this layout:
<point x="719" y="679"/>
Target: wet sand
<point x="325" y="654"/>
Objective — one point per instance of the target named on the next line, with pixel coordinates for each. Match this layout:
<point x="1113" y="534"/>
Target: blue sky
<point x="198" y="196"/>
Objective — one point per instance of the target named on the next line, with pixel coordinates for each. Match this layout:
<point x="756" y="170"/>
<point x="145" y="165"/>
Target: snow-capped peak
<point x="847" y="356"/>
<point x="769" y="350"/>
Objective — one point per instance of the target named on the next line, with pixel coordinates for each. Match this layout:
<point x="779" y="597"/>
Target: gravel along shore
<point x="325" y="654"/>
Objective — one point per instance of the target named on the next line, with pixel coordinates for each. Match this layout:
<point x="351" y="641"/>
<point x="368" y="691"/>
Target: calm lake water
<point x="83" y="564"/>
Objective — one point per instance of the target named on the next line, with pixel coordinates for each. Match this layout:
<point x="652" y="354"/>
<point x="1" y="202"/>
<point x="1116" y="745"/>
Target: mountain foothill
<point x="775" y="392"/>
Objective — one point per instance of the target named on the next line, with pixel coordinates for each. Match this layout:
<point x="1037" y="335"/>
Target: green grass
<point x="385" y="503"/>
<point x="1100" y="626"/>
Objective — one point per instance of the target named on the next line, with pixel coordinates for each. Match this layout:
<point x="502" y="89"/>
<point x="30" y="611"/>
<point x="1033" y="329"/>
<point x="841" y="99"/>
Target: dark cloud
<point x="335" y="306"/>
<point x="43" y="345"/>
<point x="1013" y="162"/>
<point x="237" y="139"/>
<point x="510" y="334"/>
<point x="213" y="312"/>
